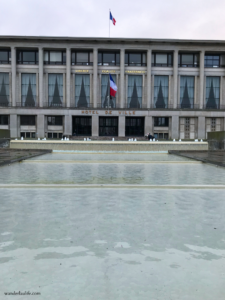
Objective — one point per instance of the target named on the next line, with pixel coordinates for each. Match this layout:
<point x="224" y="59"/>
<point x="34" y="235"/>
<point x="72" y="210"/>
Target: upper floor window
<point x="108" y="58"/>
<point x="188" y="60"/>
<point x="4" y="120"/>
<point x="27" y="120"/>
<point x="212" y="61"/>
<point x="27" y="57"/>
<point x="161" y="121"/>
<point x="55" y="57"/>
<point x="5" y="56"/>
<point x="162" y="59"/>
<point x="135" y="59"/>
<point x="82" y="58"/>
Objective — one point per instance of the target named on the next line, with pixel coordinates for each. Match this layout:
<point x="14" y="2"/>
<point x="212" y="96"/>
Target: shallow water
<point x="112" y="243"/>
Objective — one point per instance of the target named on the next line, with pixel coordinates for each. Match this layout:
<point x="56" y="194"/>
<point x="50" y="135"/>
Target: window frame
<point x="48" y="62"/>
<point x="9" y="56"/>
<point x="117" y="61"/>
<point x="193" y="65"/>
<point x="22" y="61"/>
<point x="212" y="66"/>
<point x="154" y="64"/>
<point x="75" y="63"/>
<point x="56" y="122"/>
<point x="3" y="118"/>
<point x="156" y="122"/>
<point x="24" y="118"/>
<point x="142" y="64"/>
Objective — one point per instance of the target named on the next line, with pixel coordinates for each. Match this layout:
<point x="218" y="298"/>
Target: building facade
<point x="53" y="86"/>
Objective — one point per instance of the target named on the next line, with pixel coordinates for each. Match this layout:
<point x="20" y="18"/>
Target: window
<point x="188" y="60"/>
<point x="27" y="57"/>
<point x="28" y="90"/>
<point x="5" y="56"/>
<point x="212" y="61"/>
<point x="134" y="99"/>
<point x="28" y="134"/>
<point x="213" y="124"/>
<point x="55" y="57"/>
<point x="106" y="101"/>
<point x="54" y="135"/>
<point x="212" y="92"/>
<point x="108" y="126"/>
<point x="82" y="90"/>
<point x="161" y="121"/>
<point x="4" y="120"/>
<point x="187" y="91"/>
<point x="56" y="120"/>
<point x="162" y="59"/>
<point x="108" y="58"/>
<point x="187" y="128"/>
<point x="135" y="59"/>
<point x="4" y="89"/>
<point x="161" y="87"/>
<point x="82" y="126"/>
<point x="55" y="90"/>
<point x="82" y="58"/>
<point x="134" y="126"/>
<point x="27" y="120"/>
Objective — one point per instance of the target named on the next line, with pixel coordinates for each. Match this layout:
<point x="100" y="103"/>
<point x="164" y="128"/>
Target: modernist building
<point x="54" y="86"/>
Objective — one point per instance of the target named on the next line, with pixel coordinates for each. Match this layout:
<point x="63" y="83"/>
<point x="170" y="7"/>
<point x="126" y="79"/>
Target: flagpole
<point x="108" y="90"/>
<point x="109" y="22"/>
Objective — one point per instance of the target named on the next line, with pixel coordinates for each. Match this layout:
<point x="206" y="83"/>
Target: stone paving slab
<point x="211" y="157"/>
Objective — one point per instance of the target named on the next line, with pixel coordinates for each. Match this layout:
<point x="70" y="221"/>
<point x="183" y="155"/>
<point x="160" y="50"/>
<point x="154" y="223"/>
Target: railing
<point x="161" y="65"/>
<point x="195" y="65"/>
<point x="53" y="105"/>
<point x="165" y="106"/>
<point x="5" y="62"/>
<point x="26" y="104"/>
<point x="110" y="106"/>
<point x="214" y="107"/>
<point x="81" y="106"/>
<point x="5" y="104"/>
<point x="138" y="105"/>
<point x="188" y="106"/>
<point x="136" y="65"/>
<point x="54" y="62"/>
<point x="108" y="64"/>
<point x="214" y="66"/>
<point x="27" y="62"/>
<point x="82" y="64"/>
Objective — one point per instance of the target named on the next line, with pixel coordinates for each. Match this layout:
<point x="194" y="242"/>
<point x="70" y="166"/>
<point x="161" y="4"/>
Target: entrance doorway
<point x="82" y="126"/>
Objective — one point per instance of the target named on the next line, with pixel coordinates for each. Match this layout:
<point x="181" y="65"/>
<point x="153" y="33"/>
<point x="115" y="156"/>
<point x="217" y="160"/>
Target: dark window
<point x="108" y="126"/>
<point x="212" y="92"/>
<point x="135" y="59"/>
<point x="108" y="58"/>
<point x="56" y="120"/>
<point x="55" y="57"/>
<point x="82" y="126"/>
<point x="134" y="126"/>
<point x="28" y="90"/>
<point x="188" y="60"/>
<point x="161" y="90"/>
<point x="4" y="89"/>
<point x="27" y="120"/>
<point x="5" y="56"/>
<point x="160" y="121"/>
<point x="27" y="57"/>
<point x="82" y="58"/>
<point x="212" y="61"/>
<point x="4" y="120"/>
<point x="162" y="59"/>
<point x="187" y="88"/>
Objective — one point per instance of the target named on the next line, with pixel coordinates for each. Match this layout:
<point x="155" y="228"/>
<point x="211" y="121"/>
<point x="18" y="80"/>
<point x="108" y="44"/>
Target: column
<point x="13" y="66"/>
<point x="122" y="64"/>
<point x="40" y="126"/>
<point x="149" y="67"/>
<point x="68" y="76"/>
<point x="68" y="125"/>
<point x="95" y="77"/>
<point x="41" y="74"/>
<point x="13" y="126"/>
<point x="201" y="128"/>
<point x="122" y="124"/>
<point x="95" y="126"/>
<point x="175" y="75"/>
<point x="201" y="79"/>
<point x="148" y="125"/>
<point x="175" y="127"/>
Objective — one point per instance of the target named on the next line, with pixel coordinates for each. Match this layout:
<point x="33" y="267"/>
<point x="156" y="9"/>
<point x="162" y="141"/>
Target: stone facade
<point x="185" y="122"/>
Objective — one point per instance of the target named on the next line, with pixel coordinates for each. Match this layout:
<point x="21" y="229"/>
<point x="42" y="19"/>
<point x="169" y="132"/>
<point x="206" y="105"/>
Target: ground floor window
<point x="161" y="121"/>
<point x="4" y="120"/>
<point x="81" y="126"/>
<point x="161" y="135"/>
<point x="28" y="135"/>
<point x="108" y="126"/>
<point x="134" y="126"/>
<point x="55" y="120"/>
<point x="54" y="135"/>
<point x="27" y="120"/>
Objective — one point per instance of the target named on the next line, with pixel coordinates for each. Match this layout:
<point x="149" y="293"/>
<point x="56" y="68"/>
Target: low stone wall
<point x="107" y="146"/>
<point x="216" y="140"/>
<point x="4" y="143"/>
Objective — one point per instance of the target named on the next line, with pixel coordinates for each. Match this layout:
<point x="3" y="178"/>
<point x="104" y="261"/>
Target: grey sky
<point x="185" y="19"/>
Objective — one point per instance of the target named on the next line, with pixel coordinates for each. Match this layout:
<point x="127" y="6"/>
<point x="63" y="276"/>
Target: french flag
<point x="113" y="87"/>
<point x="111" y="18"/>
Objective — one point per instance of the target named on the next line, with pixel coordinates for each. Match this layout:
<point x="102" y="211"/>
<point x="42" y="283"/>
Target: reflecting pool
<point x="118" y="243"/>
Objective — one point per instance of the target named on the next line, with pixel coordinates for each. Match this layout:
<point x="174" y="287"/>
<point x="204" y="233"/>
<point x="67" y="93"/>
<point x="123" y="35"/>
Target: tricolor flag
<point x="111" y="18"/>
<point x="113" y="87"/>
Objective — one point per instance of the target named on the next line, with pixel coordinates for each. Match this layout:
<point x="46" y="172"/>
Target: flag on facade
<point x="112" y="19"/>
<point x="113" y="87"/>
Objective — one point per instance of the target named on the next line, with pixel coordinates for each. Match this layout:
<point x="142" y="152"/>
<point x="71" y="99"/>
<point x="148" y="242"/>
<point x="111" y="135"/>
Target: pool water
<point x="125" y="242"/>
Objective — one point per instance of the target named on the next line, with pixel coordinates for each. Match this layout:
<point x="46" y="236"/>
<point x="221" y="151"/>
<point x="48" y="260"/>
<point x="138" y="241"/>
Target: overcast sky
<point x="184" y="19"/>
